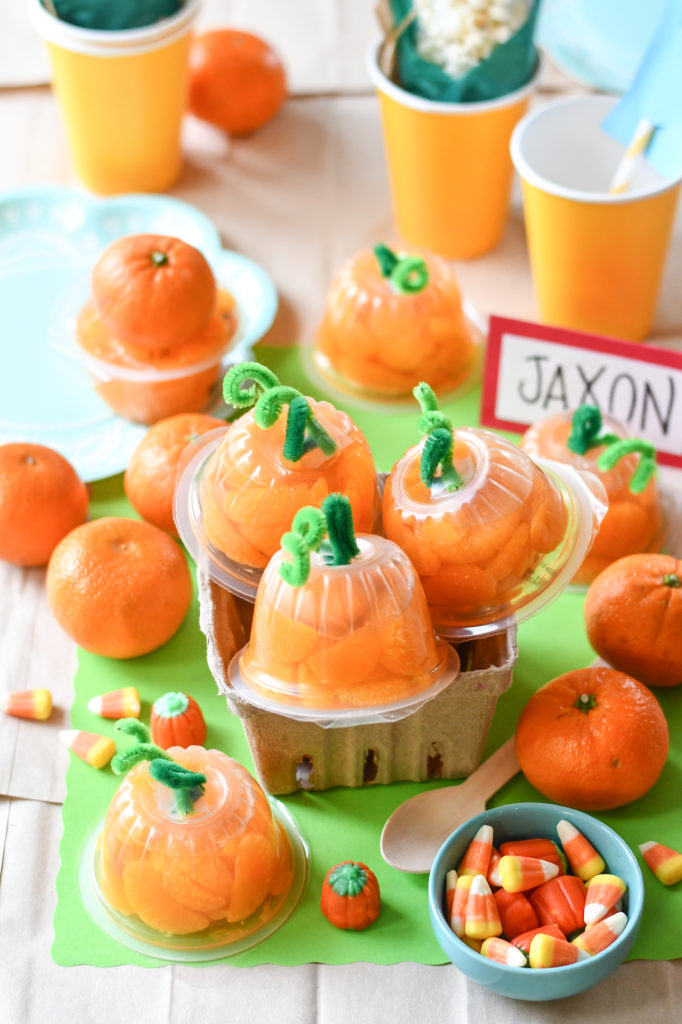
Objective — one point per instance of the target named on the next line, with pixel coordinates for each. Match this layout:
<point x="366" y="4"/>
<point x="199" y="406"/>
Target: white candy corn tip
<point x="484" y="834"/>
<point x="583" y="954"/>
<point x="617" y="922"/>
<point x="95" y="705"/>
<point x="67" y="736"/>
<point x="645" y="847"/>
<point x="594" y="912"/>
<point x="566" y="831"/>
<point x="480" y="887"/>
<point x="451" y="879"/>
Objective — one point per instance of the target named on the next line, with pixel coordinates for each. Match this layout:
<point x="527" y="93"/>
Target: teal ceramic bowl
<point x="525" y="821"/>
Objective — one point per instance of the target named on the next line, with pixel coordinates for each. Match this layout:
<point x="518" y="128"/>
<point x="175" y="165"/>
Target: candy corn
<point x="542" y="849"/>
<point x="476" y="858"/>
<point x="547" y="951"/>
<point x="524" y="940"/>
<point x="474" y="944"/>
<point x="516" y="913"/>
<point x="459" y="904"/>
<point x="493" y="875"/>
<point x="123" y="703"/>
<point x="503" y="952"/>
<point x="600" y="935"/>
<point x="603" y="892"/>
<point x="27" y="704"/>
<point x="665" y="863"/>
<point x="519" y="873"/>
<point x="582" y="856"/>
<point x="89" y="746"/>
<point x="450" y="886"/>
<point x="482" y="919"/>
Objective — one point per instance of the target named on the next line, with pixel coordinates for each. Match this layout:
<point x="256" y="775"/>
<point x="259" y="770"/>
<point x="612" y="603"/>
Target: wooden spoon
<point x="417" y="828"/>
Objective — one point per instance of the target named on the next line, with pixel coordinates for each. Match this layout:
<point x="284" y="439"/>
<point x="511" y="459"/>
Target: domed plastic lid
<point x="391" y="320"/>
<point x="625" y="465"/>
<point x="239" y="489"/>
<point x="354" y="644"/>
<point x="199" y="882"/>
<point x="493" y="536"/>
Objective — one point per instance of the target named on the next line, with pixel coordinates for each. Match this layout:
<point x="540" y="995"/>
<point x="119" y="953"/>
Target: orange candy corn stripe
<point x="519" y="873"/>
<point x="665" y="862"/>
<point x="476" y="859"/>
<point x="502" y="952"/>
<point x="493" y="875"/>
<point x="482" y="919"/>
<point x="582" y="856"/>
<point x="459" y="904"/>
<point x="92" y="748"/>
<point x="600" y="935"/>
<point x="35" y="704"/>
<point x="124" y="703"/>
<point x="603" y="892"/>
<point x="546" y="951"/>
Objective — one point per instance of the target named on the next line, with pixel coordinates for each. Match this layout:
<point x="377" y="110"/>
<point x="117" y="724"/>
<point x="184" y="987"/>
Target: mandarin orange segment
<point x="347" y="661"/>
<point x="111" y="884"/>
<point x="286" y="639"/>
<point x="407" y="650"/>
<point x="151" y="902"/>
<point x="515" y="552"/>
<point x="461" y="587"/>
<point x="192" y="893"/>
<point x="254" y="870"/>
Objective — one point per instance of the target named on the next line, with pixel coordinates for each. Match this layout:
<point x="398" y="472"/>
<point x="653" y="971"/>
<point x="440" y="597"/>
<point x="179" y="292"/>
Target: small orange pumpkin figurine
<point x="350" y="896"/>
<point x="176" y="721"/>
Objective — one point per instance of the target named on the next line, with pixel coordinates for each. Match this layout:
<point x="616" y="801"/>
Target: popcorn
<point x="459" y="34"/>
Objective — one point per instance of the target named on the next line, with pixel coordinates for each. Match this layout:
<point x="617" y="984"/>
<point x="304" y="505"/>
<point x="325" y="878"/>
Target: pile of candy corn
<point x="519" y="905"/>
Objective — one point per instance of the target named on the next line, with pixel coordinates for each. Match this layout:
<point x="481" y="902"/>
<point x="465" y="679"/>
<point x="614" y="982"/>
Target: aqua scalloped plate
<point x="49" y="238"/>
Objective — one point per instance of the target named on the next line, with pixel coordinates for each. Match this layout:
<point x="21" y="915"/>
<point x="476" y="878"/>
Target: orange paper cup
<point x="596" y="259"/>
<point x="449" y="166"/>
<point x="122" y="96"/>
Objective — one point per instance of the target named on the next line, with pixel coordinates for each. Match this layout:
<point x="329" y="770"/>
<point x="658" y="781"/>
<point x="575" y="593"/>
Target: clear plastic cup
<point x="145" y="389"/>
<point x="378" y="342"/>
<point x="495" y="551"/>
<point x="199" y="885"/>
<point x="633" y="522"/>
<point x="353" y="645"/>
<point x="237" y="494"/>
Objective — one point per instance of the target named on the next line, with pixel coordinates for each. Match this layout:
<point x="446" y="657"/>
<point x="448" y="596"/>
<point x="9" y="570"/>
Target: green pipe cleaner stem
<point x="437" y="452"/>
<point x="431" y="418"/>
<point x="646" y="466"/>
<point x="408" y="274"/>
<point x="341" y="532"/>
<point x="585" y="430"/>
<point x="243" y="398"/>
<point x="307" y="533"/>
<point x="187" y="786"/>
<point x="303" y="432"/>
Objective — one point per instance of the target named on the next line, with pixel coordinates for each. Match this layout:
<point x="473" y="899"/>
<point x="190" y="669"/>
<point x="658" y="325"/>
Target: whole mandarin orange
<point x="149" y="480"/>
<point x="633" y="617"/>
<point x="593" y="739"/>
<point x="119" y="587"/>
<point x="42" y="498"/>
<point x="153" y="292"/>
<point x="236" y="80"/>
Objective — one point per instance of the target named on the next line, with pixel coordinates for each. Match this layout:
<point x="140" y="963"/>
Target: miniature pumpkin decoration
<point x="176" y="721"/>
<point x="350" y="896"/>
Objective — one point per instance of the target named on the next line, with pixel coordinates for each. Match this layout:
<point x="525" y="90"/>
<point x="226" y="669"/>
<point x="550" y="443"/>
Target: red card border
<point x="500" y="325"/>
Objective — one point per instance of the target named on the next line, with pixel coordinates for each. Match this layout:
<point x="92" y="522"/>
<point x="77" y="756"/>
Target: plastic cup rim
<point x="426" y="106"/>
<point x="531" y="177"/>
<point x="119" y="43"/>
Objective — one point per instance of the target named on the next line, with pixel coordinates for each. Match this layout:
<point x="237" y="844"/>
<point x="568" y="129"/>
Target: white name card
<point x="534" y="371"/>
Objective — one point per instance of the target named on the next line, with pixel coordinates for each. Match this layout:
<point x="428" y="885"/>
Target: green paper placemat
<point x="343" y="823"/>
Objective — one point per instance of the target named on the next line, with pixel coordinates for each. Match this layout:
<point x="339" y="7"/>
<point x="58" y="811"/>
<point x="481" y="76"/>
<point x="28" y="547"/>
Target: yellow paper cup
<point x="122" y="96"/>
<point x="448" y="165"/>
<point x="596" y="259"/>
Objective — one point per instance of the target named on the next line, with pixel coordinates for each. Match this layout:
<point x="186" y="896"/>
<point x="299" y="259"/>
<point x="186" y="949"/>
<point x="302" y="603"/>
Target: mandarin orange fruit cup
<point x="199" y="881"/>
<point x="351" y="643"/>
<point x="240" y="489"/>
<point x="387" y="318"/>
<point x="634" y="520"/>
<point x="146" y="387"/>
<point x="493" y="536"/>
